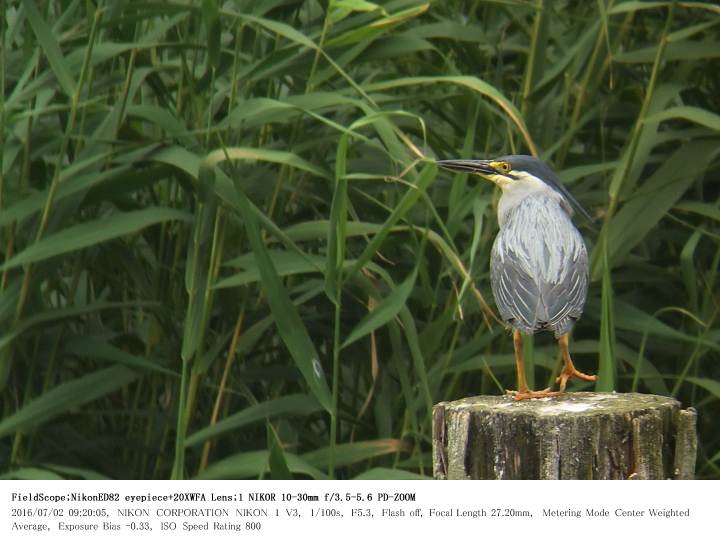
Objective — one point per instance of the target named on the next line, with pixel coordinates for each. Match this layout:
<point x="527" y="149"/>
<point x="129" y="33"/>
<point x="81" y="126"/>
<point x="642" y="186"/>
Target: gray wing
<point x="565" y="300"/>
<point x="515" y="291"/>
<point x="538" y="285"/>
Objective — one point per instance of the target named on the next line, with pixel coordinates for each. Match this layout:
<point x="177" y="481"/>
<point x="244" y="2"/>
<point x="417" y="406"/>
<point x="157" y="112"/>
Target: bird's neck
<point x="513" y="198"/>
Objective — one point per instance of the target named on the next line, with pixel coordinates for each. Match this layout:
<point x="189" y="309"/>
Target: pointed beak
<point x="468" y="167"/>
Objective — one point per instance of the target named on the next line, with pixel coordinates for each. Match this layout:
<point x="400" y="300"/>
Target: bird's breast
<point x="539" y="236"/>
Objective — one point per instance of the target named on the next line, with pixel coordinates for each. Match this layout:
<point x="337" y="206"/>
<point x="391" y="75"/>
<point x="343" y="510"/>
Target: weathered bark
<point x="578" y="436"/>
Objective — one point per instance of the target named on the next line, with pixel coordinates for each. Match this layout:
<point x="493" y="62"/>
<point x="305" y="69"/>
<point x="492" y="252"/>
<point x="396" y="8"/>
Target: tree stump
<point x="577" y="436"/>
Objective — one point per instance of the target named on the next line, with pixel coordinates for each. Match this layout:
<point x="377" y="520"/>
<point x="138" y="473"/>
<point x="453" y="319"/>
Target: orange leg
<point x="569" y="370"/>
<point x="523" y="392"/>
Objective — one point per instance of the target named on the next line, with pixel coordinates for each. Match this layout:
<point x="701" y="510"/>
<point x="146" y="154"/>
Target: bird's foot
<point x="527" y="394"/>
<point x="568" y="373"/>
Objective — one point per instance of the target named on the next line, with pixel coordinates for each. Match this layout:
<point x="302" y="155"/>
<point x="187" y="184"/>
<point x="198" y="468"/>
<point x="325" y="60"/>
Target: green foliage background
<point x="226" y="253"/>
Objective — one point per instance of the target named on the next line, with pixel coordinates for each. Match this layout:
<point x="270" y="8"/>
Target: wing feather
<point x="539" y="269"/>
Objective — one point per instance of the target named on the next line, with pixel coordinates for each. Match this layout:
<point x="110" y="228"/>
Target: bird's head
<point x="517" y="175"/>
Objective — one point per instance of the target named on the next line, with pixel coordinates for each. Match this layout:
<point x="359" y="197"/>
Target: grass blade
<point x="50" y="47"/>
<point x="58" y="401"/>
<point x="91" y="233"/>
<point x="291" y="405"/>
<point x="385" y="310"/>
<point x="287" y="319"/>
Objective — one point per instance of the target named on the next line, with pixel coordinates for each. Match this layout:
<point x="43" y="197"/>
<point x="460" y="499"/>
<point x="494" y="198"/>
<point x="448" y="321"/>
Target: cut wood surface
<point x="594" y="436"/>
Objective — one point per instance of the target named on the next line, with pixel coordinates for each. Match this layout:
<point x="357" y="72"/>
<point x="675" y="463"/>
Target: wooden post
<point x="577" y="436"/>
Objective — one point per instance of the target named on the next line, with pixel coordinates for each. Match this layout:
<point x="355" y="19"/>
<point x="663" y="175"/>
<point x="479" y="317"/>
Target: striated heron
<point x="539" y="263"/>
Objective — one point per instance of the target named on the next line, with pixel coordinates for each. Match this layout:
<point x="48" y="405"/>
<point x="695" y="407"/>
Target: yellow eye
<point x="504" y="167"/>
